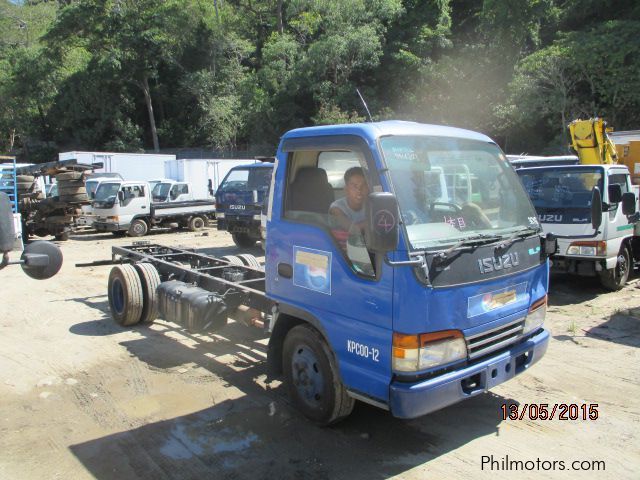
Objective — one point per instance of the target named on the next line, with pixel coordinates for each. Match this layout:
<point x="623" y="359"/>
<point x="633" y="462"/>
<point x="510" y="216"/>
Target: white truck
<point x="131" y="166"/>
<point x="562" y="198"/>
<point x="126" y="207"/>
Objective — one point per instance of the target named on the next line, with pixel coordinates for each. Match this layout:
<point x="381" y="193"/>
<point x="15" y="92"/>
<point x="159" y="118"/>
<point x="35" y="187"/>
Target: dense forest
<point x="233" y="75"/>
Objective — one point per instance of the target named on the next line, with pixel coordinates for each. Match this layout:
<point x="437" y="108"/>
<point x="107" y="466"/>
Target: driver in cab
<point x="348" y="211"/>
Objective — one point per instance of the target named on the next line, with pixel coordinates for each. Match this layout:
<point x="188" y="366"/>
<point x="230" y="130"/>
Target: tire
<point x="138" y="228"/>
<point x="62" y="237"/>
<point x="70" y="183"/>
<point x="61" y="177"/>
<point x="196" y="223"/>
<point x="25" y="179"/>
<point x="312" y="379"/>
<point x="150" y="280"/>
<point x="125" y="295"/>
<point x="616" y="278"/>
<point x="249" y="260"/>
<point x="62" y="191"/>
<point x="243" y="240"/>
<point x="232" y="259"/>
<point x="77" y="198"/>
<point x="24" y="186"/>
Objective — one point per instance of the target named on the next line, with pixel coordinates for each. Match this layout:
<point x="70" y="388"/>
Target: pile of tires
<point x="71" y="187"/>
<point x="25" y="183"/>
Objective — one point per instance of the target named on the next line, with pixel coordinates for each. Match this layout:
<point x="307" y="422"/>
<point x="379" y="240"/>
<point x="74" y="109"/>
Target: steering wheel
<point x="411" y="217"/>
<point x="452" y="206"/>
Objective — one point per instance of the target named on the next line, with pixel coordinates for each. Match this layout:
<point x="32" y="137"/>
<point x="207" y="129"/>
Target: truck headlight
<point x="257" y="217"/>
<point x="412" y="353"/>
<point x="536" y="316"/>
<point x="587" y="248"/>
<point x="219" y="215"/>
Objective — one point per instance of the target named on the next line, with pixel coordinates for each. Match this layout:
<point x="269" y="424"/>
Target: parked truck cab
<point x="239" y="201"/>
<point x="441" y="297"/>
<point x="562" y="198"/>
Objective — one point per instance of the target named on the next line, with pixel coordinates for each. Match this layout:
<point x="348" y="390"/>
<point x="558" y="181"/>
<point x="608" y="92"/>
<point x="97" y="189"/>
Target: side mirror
<point x="629" y="203"/>
<point x="7" y="232"/>
<point x="381" y="229"/>
<point x="41" y="260"/>
<point x="615" y="193"/>
<point x="121" y="196"/>
<point x="596" y="208"/>
<point x="549" y="244"/>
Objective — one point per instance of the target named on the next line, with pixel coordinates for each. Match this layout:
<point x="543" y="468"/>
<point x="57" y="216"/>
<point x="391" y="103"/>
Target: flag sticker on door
<point x="312" y="269"/>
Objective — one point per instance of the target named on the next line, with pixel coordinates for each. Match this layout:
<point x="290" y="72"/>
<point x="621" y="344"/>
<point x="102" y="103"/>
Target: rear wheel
<point x="126" y="296"/>
<point x="62" y="237"/>
<point x="249" y="260"/>
<point x="311" y="375"/>
<point x="138" y="228"/>
<point x="616" y="278"/>
<point x="243" y="240"/>
<point x="150" y="279"/>
<point x="232" y="259"/>
<point x="196" y="224"/>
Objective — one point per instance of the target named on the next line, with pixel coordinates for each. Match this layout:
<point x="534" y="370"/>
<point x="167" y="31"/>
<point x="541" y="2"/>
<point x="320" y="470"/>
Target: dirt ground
<point x="81" y="397"/>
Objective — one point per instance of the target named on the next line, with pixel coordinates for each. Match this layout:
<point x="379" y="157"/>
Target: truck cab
<point x="118" y="203"/>
<point x="239" y="201"/>
<point x="440" y="296"/>
<point x="562" y="198"/>
<point x="171" y="191"/>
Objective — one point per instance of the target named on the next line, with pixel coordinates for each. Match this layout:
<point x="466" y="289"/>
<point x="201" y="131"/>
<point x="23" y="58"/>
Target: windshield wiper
<point x="518" y="234"/>
<point x="468" y="243"/>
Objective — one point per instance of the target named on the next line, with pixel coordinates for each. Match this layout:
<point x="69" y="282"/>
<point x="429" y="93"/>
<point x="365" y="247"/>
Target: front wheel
<point x="311" y="375"/>
<point x="138" y="228"/>
<point x="616" y="278"/>
<point x="243" y="240"/>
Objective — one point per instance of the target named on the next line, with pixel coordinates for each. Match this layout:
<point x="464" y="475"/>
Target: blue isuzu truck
<point x="239" y="201"/>
<point x="438" y="296"/>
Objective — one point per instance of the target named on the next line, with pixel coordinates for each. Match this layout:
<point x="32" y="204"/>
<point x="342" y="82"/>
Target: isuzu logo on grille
<point x="236" y="207"/>
<point x="494" y="264"/>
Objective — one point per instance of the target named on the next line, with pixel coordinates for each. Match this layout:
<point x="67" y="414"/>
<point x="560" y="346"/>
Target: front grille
<point x="489" y="341"/>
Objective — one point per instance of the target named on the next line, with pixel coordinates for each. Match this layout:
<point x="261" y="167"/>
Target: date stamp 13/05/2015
<point x="546" y="411"/>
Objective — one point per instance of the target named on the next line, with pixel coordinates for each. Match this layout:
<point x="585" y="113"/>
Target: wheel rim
<point x="198" y="223"/>
<point x="307" y="377"/>
<point x="622" y="266"/>
<point x="138" y="228"/>
<point x="117" y="296"/>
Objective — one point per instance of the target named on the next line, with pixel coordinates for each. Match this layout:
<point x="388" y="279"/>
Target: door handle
<point x="285" y="270"/>
<point x="143" y="207"/>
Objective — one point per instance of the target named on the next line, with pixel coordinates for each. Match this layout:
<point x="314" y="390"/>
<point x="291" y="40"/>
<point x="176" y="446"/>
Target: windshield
<point x="106" y="191"/>
<point x="92" y="186"/>
<point x="160" y="192"/>
<point x="561" y="195"/>
<point x="451" y="189"/>
<point x="246" y="180"/>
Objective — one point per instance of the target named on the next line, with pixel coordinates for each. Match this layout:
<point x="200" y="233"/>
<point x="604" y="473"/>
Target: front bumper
<point x="239" y="225"/>
<point x="411" y="400"/>
<point x="108" y="227"/>
<point x="583" y="266"/>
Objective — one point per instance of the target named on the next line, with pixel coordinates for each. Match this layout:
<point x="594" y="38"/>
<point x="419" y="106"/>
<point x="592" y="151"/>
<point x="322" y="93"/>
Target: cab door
<point x="134" y="202"/>
<point x="320" y="276"/>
